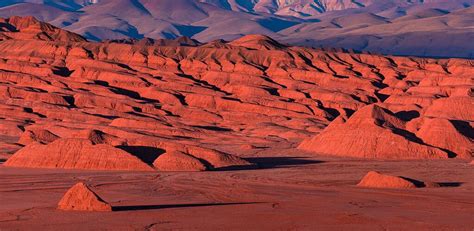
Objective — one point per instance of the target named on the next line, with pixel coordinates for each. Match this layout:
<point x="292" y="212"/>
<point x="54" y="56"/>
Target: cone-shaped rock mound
<point x="372" y="132"/>
<point x="377" y="180"/>
<point x="442" y="133"/>
<point x="81" y="198"/>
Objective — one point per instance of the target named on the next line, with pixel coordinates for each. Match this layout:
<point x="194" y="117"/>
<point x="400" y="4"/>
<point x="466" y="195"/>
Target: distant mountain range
<point x="438" y="28"/>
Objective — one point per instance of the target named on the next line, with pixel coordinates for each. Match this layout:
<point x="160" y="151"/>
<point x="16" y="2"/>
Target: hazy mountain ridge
<point x="402" y="27"/>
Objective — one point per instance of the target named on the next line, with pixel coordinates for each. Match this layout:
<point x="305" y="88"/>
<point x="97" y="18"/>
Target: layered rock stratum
<point x="146" y="105"/>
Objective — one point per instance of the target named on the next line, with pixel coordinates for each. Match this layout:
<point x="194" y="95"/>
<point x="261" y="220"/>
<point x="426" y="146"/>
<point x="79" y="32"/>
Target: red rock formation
<point x="30" y="28"/>
<point x="186" y="99"/>
<point x="81" y="198"/>
<point x="459" y="108"/>
<point x="99" y="137"/>
<point x="177" y="161"/>
<point x="443" y="134"/>
<point x="76" y="154"/>
<point x="377" y="180"/>
<point x="372" y="132"/>
<point x="38" y="135"/>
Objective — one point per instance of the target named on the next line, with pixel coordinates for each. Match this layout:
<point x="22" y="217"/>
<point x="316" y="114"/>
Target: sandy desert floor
<point x="289" y="191"/>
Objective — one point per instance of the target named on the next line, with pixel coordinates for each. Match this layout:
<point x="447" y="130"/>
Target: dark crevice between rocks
<point x="145" y="153"/>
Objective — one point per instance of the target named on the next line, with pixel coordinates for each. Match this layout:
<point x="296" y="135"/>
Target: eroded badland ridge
<point x="142" y="98"/>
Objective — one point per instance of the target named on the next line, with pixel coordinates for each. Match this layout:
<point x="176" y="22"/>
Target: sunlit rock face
<point x="177" y="105"/>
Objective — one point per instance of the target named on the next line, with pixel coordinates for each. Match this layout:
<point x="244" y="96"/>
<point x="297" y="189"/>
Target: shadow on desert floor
<point x="272" y="162"/>
<point x="151" y="207"/>
<point x="449" y="184"/>
<point x="421" y="184"/>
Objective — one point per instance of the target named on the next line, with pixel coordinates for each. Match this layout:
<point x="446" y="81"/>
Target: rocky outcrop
<point x="99" y="137"/>
<point x="183" y="102"/>
<point x="444" y="134"/>
<point x="97" y="150"/>
<point x="76" y="154"/>
<point x="38" y="135"/>
<point x="372" y="132"/>
<point x="30" y="28"/>
<point x="177" y="161"/>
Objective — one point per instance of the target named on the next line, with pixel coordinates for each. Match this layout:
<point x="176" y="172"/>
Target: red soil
<point x="291" y="193"/>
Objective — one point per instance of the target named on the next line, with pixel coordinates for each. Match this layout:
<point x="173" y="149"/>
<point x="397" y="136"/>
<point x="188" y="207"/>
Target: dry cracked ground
<point x="249" y="134"/>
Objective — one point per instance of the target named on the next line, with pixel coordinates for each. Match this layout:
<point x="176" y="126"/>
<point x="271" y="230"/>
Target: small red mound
<point x="177" y="161"/>
<point x="376" y="180"/>
<point x="81" y="198"/>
